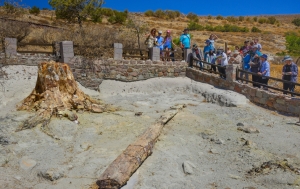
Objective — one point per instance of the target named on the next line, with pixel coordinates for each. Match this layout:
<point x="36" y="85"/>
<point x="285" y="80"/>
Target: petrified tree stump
<point x="56" y="93"/>
<point x="120" y="170"/>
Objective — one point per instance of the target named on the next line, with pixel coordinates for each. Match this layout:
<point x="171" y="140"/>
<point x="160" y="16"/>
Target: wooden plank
<point x="35" y="44"/>
<point x="135" y="56"/>
<point x="42" y="52"/>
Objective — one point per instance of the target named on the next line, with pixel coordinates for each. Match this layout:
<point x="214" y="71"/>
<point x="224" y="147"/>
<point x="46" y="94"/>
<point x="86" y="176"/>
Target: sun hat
<point x="287" y="57"/>
<point x="168" y="31"/>
<point x="255" y="46"/>
<point x="207" y="41"/>
<point x="264" y="56"/>
<point x="236" y="52"/>
<point x="160" y="32"/>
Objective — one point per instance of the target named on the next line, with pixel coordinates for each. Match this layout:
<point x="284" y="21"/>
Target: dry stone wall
<point x="28" y="59"/>
<point x="275" y="101"/>
<point x="91" y="73"/>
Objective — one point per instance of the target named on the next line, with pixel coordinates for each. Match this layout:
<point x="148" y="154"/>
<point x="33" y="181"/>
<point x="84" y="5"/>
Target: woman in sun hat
<point x="264" y="70"/>
<point x="289" y="73"/>
<point x="168" y="42"/>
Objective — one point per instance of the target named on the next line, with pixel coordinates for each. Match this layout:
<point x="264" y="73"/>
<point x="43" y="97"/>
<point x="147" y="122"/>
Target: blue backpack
<point x="246" y="60"/>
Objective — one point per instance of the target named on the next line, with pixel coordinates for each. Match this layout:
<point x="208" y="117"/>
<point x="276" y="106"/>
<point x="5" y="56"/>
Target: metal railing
<point x="266" y="86"/>
<point x="217" y="66"/>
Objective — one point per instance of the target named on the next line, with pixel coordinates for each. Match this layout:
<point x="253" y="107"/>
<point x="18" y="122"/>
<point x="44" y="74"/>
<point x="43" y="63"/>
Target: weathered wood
<point x="120" y="170"/>
<point x="56" y="93"/>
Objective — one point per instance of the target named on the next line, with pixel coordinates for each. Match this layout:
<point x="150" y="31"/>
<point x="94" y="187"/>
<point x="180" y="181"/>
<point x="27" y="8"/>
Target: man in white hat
<point x="236" y="58"/>
<point x="289" y="73"/>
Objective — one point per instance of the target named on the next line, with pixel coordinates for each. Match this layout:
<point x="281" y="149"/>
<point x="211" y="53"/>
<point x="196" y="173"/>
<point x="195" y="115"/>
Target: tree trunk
<point x="120" y="170"/>
<point x="56" y="93"/>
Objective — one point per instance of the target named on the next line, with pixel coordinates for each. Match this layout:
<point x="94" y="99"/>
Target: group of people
<point x="249" y="57"/>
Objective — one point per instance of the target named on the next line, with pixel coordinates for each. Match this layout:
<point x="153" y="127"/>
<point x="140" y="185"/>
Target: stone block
<point x="66" y="51"/>
<point x="10" y="45"/>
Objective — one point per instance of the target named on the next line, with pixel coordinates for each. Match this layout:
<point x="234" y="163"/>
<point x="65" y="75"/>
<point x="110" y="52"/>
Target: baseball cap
<point x="160" y="32"/>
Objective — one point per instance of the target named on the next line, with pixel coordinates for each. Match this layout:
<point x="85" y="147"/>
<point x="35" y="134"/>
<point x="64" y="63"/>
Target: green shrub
<point x="118" y="17"/>
<point x="272" y="20"/>
<point x="195" y="26"/>
<point x="231" y="19"/>
<point x="34" y="10"/>
<point x="176" y="41"/>
<point x="255" y="19"/>
<point x="9" y="8"/>
<point x="219" y="17"/>
<point x="96" y="15"/>
<point x="193" y="17"/>
<point x="241" y="18"/>
<point x="107" y="12"/>
<point x="149" y="13"/>
<point x="293" y="43"/>
<point x="255" y="29"/>
<point x="262" y="20"/>
<point x="209" y="17"/>
<point x="171" y="14"/>
<point x="177" y="13"/>
<point x="296" y="21"/>
<point x="159" y="13"/>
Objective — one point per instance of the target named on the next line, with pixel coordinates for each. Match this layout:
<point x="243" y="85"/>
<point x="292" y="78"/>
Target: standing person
<point x="289" y="73"/>
<point x="185" y="41"/>
<point x="197" y="55"/>
<point x="255" y="64"/>
<point x="236" y="58"/>
<point x="167" y="44"/>
<point x="151" y="40"/>
<point x="258" y="44"/>
<point x="245" y="49"/>
<point x="160" y="45"/>
<point x="222" y="57"/>
<point x="264" y="71"/>
<point x="212" y="59"/>
<point x="207" y="48"/>
<point x="212" y="38"/>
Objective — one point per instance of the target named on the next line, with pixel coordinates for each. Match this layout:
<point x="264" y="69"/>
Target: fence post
<point x="10" y="45"/>
<point x="66" y="51"/>
<point x="231" y="72"/>
<point x="118" y="51"/>
<point x="154" y="54"/>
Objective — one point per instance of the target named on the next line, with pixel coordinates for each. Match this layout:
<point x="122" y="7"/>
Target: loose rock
<point x="240" y="124"/>
<point x="188" y="167"/>
<point x="97" y="108"/>
<point x="51" y="174"/>
<point x="214" y="151"/>
<point x="248" y="129"/>
<point x="27" y="164"/>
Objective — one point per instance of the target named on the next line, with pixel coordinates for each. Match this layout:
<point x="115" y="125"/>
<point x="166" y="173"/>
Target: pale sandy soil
<point x="204" y="134"/>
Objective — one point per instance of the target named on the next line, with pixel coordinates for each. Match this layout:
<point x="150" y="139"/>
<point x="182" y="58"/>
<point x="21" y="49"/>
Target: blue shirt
<point x="206" y="51"/>
<point x="265" y="66"/>
<point x="185" y="39"/>
<point x="160" y="40"/>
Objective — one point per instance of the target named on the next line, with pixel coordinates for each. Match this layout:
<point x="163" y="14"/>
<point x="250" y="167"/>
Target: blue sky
<point x="208" y="7"/>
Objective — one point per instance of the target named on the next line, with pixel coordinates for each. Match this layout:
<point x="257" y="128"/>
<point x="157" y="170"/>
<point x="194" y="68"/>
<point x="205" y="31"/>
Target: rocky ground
<point x="219" y="140"/>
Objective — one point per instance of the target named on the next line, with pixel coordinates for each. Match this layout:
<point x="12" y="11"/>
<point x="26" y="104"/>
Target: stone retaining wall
<point x="28" y="59"/>
<point x="91" y="73"/>
<point x="274" y="101"/>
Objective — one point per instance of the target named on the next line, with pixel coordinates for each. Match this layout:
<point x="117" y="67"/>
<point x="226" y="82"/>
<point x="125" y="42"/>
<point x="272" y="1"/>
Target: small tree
<point x="75" y="10"/>
<point x="272" y="20"/>
<point x="255" y="29"/>
<point x="296" y="21"/>
<point x="34" y="10"/>
<point x="149" y="13"/>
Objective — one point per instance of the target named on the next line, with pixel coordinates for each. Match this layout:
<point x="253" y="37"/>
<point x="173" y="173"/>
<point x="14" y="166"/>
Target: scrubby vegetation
<point x="166" y="14"/>
<point x="255" y="29"/>
<point x="34" y="10"/>
<point x="296" y="21"/>
<point x="292" y="43"/>
<point x="225" y="28"/>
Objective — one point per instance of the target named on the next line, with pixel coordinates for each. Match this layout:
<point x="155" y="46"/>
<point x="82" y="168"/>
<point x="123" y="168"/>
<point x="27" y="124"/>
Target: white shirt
<point x="224" y="60"/>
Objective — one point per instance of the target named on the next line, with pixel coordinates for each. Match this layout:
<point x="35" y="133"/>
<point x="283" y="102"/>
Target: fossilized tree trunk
<point x="120" y="170"/>
<point x="56" y="93"/>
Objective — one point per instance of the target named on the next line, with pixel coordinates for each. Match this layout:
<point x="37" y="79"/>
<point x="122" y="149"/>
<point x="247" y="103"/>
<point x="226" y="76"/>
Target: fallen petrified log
<point x="56" y="93"/>
<point x="120" y="170"/>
